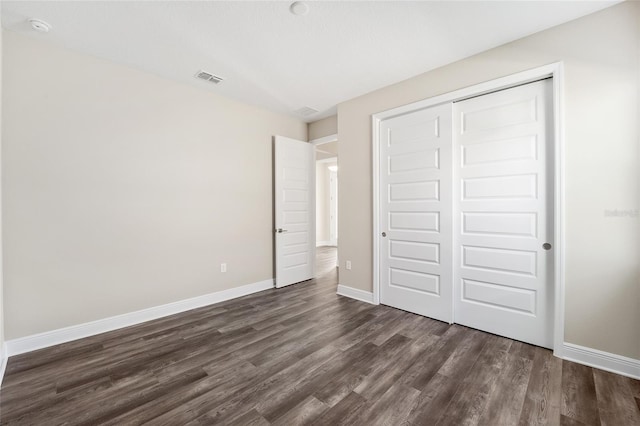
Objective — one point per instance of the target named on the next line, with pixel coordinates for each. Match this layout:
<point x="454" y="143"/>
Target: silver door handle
<point x="280" y="230"/>
<point x="384" y="234"/>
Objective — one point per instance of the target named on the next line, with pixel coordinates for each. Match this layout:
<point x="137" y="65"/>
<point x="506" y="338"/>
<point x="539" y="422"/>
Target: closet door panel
<point x="415" y="212"/>
<point x="503" y="213"/>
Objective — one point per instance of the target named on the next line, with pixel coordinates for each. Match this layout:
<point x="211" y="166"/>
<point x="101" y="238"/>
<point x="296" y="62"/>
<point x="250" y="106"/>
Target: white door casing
<point x="333" y="208"/>
<point x="294" y="193"/>
<point x="415" y="212"/>
<point x="503" y="199"/>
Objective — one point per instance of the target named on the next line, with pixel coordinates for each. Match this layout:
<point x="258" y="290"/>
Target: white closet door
<point x="415" y="212"/>
<point x="504" y="212"/>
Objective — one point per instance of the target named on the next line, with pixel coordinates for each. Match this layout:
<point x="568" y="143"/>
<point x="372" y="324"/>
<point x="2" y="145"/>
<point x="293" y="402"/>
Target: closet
<point x="466" y="212"/>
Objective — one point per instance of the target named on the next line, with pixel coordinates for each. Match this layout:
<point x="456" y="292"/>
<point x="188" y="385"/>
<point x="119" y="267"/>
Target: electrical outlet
<point x="223" y="267"/>
<point x="348" y="265"/>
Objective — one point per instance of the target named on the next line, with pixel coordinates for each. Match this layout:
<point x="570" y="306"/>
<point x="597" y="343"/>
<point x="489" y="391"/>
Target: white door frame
<point x="317" y="142"/>
<point x="323" y="140"/>
<point x="333" y="207"/>
<point x="554" y="70"/>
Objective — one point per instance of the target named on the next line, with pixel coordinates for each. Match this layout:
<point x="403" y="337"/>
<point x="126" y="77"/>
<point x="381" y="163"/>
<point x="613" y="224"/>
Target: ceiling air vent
<point x="305" y="111"/>
<point x="207" y="76"/>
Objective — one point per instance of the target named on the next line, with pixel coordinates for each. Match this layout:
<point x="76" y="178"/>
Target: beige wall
<point x="325" y="127"/>
<point x="123" y="190"/>
<point x="601" y="57"/>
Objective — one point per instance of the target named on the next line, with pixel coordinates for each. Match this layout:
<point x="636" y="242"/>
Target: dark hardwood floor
<point x="303" y="355"/>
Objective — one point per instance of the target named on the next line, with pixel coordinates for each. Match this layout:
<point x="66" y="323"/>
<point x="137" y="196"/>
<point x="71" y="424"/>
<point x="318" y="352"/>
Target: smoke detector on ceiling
<point x="299" y="8"/>
<point x="306" y="111"/>
<point x="39" y="25"/>
<point x="207" y="76"/>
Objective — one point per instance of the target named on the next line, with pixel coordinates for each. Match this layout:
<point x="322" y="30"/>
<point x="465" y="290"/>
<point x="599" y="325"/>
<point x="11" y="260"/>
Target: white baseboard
<point x="354" y="293"/>
<point x="323" y="243"/>
<point x="3" y="361"/>
<point x="602" y="360"/>
<point x="67" y="334"/>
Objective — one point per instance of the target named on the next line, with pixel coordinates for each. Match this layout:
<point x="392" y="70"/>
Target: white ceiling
<point x="283" y="62"/>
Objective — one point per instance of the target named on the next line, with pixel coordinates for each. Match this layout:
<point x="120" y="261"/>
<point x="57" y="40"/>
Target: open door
<point x="295" y="238"/>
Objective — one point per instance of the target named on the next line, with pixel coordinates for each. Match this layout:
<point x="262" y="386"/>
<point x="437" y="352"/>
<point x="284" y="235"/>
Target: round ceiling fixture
<point x="299" y="8"/>
<point x="39" y="25"/>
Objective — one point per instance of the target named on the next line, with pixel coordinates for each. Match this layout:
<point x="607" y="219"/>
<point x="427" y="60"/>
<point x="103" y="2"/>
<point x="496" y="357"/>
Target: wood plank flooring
<point x="303" y="355"/>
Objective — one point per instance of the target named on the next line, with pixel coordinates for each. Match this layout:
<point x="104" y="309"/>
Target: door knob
<point x="280" y="230"/>
<point x="384" y="234"/>
<point x="546" y="246"/>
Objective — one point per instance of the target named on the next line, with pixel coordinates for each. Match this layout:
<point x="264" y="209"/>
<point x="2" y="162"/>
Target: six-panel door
<point x="465" y="206"/>
<point x="503" y="212"/>
<point x="415" y="212"/>
<point x="294" y="208"/>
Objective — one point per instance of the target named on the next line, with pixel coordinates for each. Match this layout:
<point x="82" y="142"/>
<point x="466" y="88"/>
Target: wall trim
<point x="3" y="362"/>
<point x="323" y="243"/>
<point x="354" y="293"/>
<point x="324" y="139"/>
<point x="554" y="70"/>
<point x="74" y="332"/>
<point x="606" y="361"/>
<point x="328" y="160"/>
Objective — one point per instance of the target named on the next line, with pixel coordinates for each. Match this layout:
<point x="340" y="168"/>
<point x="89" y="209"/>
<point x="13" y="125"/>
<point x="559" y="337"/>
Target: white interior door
<point x="504" y="213"/>
<point x="415" y="212"/>
<point x="295" y="237"/>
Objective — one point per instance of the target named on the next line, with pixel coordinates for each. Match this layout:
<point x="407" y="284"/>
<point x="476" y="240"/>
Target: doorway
<point x="326" y="151"/>
<point x="466" y="197"/>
